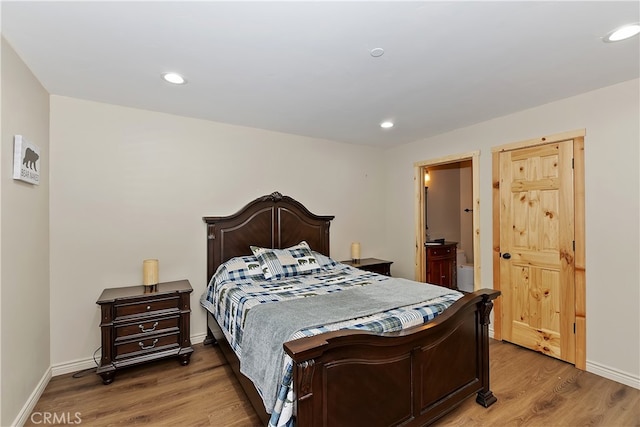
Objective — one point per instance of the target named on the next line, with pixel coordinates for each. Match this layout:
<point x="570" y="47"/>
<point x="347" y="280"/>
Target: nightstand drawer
<point x="147" y="306"/>
<point x="146" y="345"/>
<point x="438" y="251"/>
<point x="148" y="326"/>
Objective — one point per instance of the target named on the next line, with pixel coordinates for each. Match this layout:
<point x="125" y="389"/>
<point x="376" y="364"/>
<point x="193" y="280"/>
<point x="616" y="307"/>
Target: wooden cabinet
<point x="441" y="264"/>
<point x="140" y="324"/>
<point x="372" y="264"/>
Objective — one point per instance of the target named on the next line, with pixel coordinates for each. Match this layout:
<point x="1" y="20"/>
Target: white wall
<point x="611" y="117"/>
<point x="24" y="248"/>
<point x="128" y="184"/>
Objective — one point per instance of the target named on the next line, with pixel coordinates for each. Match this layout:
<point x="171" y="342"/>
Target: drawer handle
<point x="153" y="328"/>
<point x="148" y="307"/>
<point x="142" y="346"/>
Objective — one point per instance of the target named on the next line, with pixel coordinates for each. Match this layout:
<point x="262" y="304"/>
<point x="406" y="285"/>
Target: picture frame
<point x="26" y="160"/>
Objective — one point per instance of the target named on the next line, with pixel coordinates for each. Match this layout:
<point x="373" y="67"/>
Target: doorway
<point x="538" y="235"/>
<point x="427" y="214"/>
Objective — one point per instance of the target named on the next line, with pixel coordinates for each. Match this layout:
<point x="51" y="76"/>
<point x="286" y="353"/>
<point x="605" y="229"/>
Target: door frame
<point x="579" y="254"/>
<point x="419" y="169"/>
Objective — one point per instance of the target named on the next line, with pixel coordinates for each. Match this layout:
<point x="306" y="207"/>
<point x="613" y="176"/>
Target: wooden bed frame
<point x="349" y="377"/>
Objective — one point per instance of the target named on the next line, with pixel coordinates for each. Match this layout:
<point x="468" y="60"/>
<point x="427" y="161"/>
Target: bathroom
<point x="449" y="214"/>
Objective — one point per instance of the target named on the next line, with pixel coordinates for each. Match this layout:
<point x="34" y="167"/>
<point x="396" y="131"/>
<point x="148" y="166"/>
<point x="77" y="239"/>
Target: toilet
<point x="465" y="272"/>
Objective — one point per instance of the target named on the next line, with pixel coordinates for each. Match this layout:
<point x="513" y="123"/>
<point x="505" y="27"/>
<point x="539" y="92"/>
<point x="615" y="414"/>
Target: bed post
<point x="485" y="395"/>
<point x="210" y="339"/>
<point x="307" y="401"/>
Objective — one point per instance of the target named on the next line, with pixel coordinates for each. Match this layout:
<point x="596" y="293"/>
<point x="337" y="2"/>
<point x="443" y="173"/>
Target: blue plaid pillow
<point x="289" y="262"/>
<point x="325" y="262"/>
<point x="244" y="267"/>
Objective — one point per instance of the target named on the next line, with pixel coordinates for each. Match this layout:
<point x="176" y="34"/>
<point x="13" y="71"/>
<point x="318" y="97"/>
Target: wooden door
<point x="537" y="268"/>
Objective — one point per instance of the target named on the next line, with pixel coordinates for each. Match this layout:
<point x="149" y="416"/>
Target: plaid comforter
<point x="230" y="298"/>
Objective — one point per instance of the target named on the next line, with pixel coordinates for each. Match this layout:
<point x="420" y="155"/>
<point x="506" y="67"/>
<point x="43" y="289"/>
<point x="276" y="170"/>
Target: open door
<point x="421" y="217"/>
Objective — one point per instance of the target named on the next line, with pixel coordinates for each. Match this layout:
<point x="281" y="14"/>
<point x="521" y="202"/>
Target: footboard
<point x="411" y="377"/>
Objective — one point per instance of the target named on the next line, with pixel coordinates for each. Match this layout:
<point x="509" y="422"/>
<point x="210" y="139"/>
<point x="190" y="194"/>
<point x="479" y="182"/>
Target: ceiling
<point x="305" y="67"/>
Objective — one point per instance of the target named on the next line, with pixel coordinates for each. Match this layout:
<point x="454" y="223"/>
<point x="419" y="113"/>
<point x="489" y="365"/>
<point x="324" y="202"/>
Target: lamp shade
<point x="150" y="272"/>
<point x="355" y="251"/>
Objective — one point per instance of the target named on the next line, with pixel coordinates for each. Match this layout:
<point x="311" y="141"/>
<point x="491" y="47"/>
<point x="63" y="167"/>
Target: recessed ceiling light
<point x="174" y="78"/>
<point x="377" y="52"/>
<point x="622" y="33"/>
<point x="386" y="125"/>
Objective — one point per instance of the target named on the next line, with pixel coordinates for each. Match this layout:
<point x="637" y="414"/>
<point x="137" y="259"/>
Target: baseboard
<point x="613" y="374"/>
<point x="73" y="366"/>
<point x="197" y="339"/>
<point x="25" y="412"/>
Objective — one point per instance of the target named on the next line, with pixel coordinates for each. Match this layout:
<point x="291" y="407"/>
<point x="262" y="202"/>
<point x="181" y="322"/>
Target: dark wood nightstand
<point x="140" y="324"/>
<point x="372" y="264"/>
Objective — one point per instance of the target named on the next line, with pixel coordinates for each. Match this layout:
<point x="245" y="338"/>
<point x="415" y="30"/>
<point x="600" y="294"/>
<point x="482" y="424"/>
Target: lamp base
<point x="150" y="288"/>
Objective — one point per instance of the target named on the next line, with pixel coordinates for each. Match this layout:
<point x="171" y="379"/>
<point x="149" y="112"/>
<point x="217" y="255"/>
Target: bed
<point x="352" y="377"/>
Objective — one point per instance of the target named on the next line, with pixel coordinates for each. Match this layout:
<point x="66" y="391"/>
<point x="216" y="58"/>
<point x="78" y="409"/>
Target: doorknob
<point x="506" y="256"/>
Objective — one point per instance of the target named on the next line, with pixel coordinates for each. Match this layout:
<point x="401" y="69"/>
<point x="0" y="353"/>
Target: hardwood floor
<point x="537" y="390"/>
<point x="532" y="390"/>
<point x="204" y="392"/>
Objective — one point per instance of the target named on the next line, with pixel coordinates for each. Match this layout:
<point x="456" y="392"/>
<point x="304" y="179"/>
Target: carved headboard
<point x="272" y="221"/>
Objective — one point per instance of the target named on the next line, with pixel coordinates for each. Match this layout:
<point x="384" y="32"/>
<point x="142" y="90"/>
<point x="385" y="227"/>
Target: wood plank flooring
<point x="532" y="390"/>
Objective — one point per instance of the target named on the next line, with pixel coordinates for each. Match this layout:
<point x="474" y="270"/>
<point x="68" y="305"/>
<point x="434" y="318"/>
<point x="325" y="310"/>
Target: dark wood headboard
<point x="271" y="221"/>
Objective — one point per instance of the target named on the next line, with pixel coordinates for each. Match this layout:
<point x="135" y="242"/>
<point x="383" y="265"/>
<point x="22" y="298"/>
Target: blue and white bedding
<point x="239" y="285"/>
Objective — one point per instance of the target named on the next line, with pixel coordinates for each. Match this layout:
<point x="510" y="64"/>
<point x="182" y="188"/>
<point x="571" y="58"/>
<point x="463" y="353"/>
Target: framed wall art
<point x="26" y="160"/>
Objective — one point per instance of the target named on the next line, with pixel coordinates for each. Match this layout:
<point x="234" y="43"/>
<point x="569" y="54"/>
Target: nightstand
<point x="372" y="264"/>
<point x="140" y="324"/>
